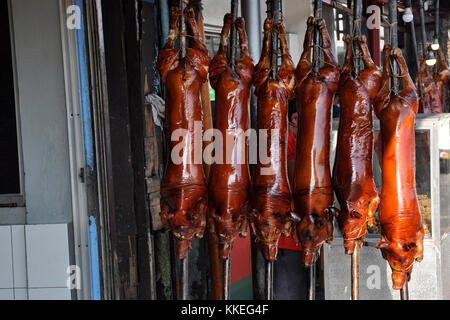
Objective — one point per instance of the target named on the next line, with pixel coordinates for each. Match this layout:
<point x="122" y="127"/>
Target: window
<point x="212" y="43"/>
<point x="10" y="177"/>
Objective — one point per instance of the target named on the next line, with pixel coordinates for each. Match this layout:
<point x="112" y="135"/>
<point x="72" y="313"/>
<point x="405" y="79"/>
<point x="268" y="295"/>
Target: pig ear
<point x="381" y="244"/>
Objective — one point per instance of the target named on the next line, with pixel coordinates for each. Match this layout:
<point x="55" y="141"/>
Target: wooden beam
<point x="121" y="188"/>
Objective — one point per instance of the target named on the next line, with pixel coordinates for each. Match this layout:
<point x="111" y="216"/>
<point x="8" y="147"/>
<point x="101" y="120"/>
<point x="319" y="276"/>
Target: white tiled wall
<point x="6" y="263"/>
<point x="33" y="262"/>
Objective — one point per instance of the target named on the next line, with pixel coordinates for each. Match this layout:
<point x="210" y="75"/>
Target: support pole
<point x="182" y="269"/>
<point x="414" y="41"/>
<point x="269" y="280"/>
<point x="232" y="48"/>
<point x="182" y="30"/>
<point x="316" y="53"/>
<point x="226" y="278"/>
<point x="404" y="292"/>
<point x="182" y="278"/>
<point x="355" y="273"/>
<point x="232" y="56"/>
<point x="274" y="10"/>
<point x="357" y="12"/>
<point x="436" y="19"/>
<point x="164" y="16"/>
<point x="251" y="14"/>
<point x="312" y="280"/>
<point x="394" y="41"/>
<point x="423" y="30"/>
<point x="316" y="69"/>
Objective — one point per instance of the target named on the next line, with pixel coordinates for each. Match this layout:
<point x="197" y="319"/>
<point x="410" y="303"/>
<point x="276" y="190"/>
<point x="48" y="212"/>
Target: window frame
<point x="16" y="199"/>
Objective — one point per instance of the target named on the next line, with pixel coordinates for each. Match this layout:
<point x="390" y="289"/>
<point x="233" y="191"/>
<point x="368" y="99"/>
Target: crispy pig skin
<point x="353" y="181"/>
<point x="270" y="194"/>
<point x="313" y="194"/>
<point x="183" y="187"/>
<point x="230" y="178"/>
<point x="400" y="217"/>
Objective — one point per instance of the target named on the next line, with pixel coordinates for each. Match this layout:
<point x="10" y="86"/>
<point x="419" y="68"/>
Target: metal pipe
<point x="250" y="10"/>
<point x="422" y="28"/>
<point x="226" y="278"/>
<point x="182" y="277"/>
<point x="274" y="10"/>
<point x="357" y="13"/>
<point x="269" y="280"/>
<point x="182" y="30"/>
<point x="316" y="53"/>
<point x="355" y="273"/>
<point x="404" y="292"/>
<point x="251" y="13"/>
<point x="232" y="48"/>
<point x="394" y="41"/>
<point x="414" y="42"/>
<point x="436" y="31"/>
<point x="164" y="16"/>
<point x="312" y="282"/>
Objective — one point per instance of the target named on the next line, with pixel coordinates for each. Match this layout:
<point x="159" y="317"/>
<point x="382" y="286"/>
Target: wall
<point x="43" y="117"/>
<point x="295" y="12"/>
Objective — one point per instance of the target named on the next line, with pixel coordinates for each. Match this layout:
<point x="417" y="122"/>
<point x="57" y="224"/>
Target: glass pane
<point x="444" y="164"/>
<point x="423" y="176"/>
<point x="9" y="158"/>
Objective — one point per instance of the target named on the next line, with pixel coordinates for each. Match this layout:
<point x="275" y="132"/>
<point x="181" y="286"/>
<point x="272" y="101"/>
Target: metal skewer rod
<point x="424" y="33"/>
<point x="357" y="12"/>
<point x="414" y="41"/>
<point x="355" y="273"/>
<point x="182" y="279"/>
<point x="269" y="280"/>
<point x="316" y="52"/>
<point x="232" y="56"/>
<point x="394" y="41"/>
<point x="404" y="292"/>
<point x="226" y="278"/>
<point x="312" y="280"/>
<point x="182" y="29"/>
<point x="275" y="12"/>
<point x="182" y="270"/>
<point x="232" y="48"/>
<point x="436" y="18"/>
<point x="316" y="69"/>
